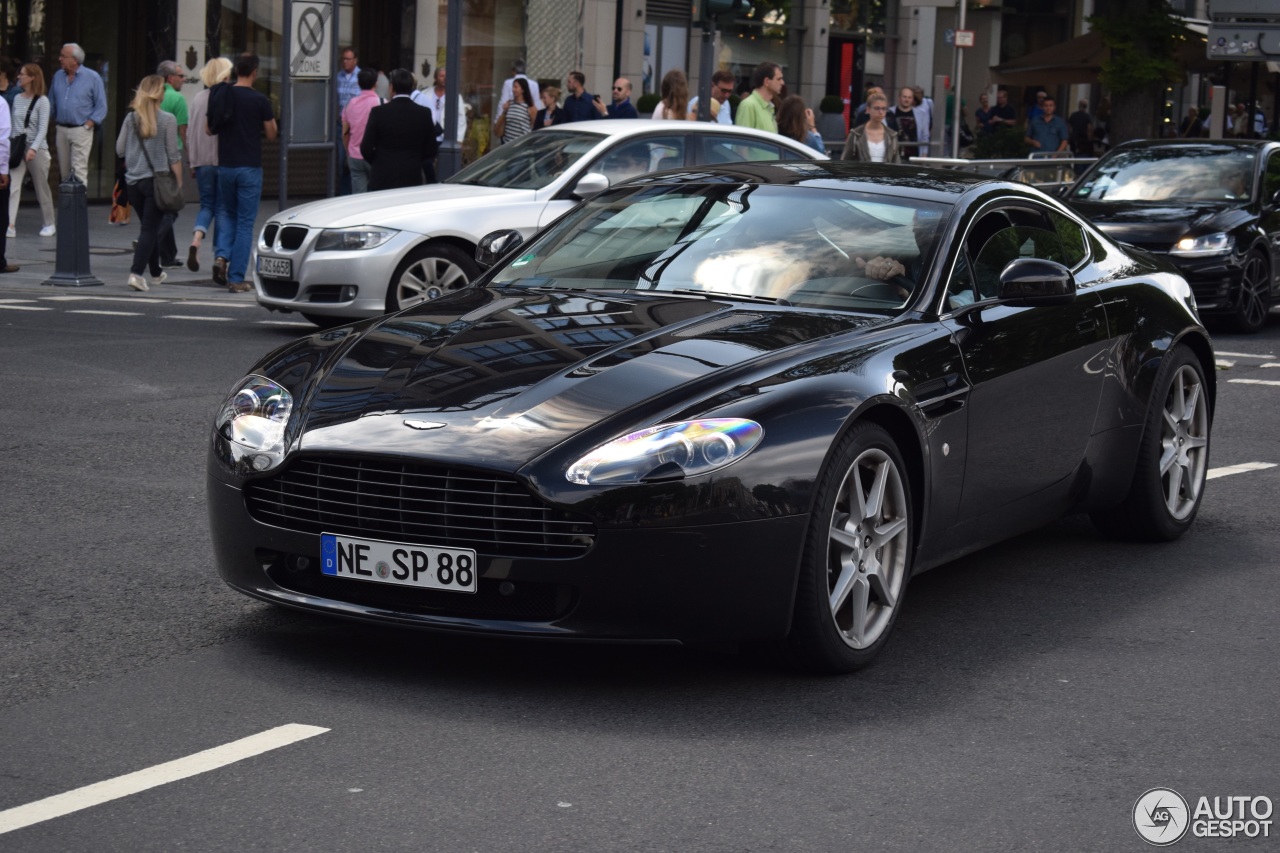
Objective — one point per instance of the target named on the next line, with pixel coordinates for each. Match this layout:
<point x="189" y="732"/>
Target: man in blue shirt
<point x="1048" y="132"/>
<point x="347" y="87"/>
<point x="578" y="104"/>
<point x="79" y="103"/>
<point x="621" y="106"/>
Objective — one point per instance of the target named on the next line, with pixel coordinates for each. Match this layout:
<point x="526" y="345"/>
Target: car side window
<point x="736" y="149"/>
<point x="640" y="156"/>
<point x="1010" y="244"/>
<point x="1271" y="178"/>
<point x="1071" y="235"/>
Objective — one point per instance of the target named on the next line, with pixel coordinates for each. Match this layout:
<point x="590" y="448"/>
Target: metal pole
<point x="282" y="161"/>
<point x="959" y="78"/>
<point x="706" y="68"/>
<point x="449" y="158"/>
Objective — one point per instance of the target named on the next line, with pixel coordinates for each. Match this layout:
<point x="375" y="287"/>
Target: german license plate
<point x="275" y="267"/>
<point x="447" y="569"/>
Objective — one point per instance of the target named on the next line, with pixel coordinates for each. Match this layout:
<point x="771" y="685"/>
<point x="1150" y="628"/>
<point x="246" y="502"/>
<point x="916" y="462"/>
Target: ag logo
<point x="1160" y="816"/>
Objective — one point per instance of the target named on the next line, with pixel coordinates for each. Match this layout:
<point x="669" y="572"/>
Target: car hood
<point x="403" y="209"/>
<point x="1154" y="225"/>
<point x="496" y="377"/>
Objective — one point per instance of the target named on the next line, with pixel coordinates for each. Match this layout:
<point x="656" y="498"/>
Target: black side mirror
<point x="495" y="244"/>
<point x="1029" y="282"/>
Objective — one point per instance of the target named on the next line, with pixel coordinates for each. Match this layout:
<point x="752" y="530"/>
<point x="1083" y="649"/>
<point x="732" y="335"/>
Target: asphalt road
<point x="1031" y="694"/>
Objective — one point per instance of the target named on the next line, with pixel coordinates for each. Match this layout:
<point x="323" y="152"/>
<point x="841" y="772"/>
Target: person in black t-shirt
<point x="904" y="117"/>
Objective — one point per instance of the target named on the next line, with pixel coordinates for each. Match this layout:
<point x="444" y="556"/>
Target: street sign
<point x="964" y="38"/>
<point x="312" y="27"/>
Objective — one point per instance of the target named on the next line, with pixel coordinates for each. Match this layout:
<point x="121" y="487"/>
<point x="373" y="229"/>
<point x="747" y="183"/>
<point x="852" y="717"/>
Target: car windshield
<point x="794" y="245"/>
<point x="1172" y="174"/>
<point x="531" y="162"/>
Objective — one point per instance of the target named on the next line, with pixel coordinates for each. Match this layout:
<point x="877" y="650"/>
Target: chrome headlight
<point x="353" y="239"/>
<point x="1209" y="244"/>
<point x="668" y="451"/>
<point x="252" y="422"/>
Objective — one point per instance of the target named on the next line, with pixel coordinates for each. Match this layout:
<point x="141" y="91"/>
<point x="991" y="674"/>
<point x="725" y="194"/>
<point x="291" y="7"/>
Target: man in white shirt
<point x="434" y="100"/>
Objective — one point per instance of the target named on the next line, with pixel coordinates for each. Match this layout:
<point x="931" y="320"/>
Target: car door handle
<point x="1087" y="325"/>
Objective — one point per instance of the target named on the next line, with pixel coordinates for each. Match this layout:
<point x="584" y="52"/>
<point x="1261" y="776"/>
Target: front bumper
<point x="727" y="582"/>
<point x="1215" y="281"/>
<point x="346" y="284"/>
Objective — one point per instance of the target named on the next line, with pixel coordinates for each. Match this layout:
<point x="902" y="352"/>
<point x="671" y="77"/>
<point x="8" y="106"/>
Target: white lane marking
<point x="142" y="299"/>
<point x="1244" y="354"/>
<point x="1272" y="364"/>
<point x="26" y="307"/>
<point x="1238" y="469"/>
<point x="161" y="774"/>
<point x="222" y="304"/>
<point x="284" y="323"/>
<point x="1223" y="364"/>
<point x="1255" y="381"/>
<point x="13" y="301"/>
<point x="194" y="317"/>
<point x="111" y="313"/>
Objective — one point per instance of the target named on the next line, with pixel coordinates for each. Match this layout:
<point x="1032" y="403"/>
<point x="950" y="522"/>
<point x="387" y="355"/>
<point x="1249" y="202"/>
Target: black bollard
<point x="72" y="268"/>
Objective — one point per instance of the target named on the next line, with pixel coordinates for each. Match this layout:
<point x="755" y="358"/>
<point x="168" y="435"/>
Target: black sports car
<point x="732" y="404"/>
<point x="1210" y="206"/>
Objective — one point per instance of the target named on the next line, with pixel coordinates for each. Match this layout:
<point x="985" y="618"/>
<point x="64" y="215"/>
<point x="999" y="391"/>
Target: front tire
<point x="857" y="558"/>
<point x="1173" y="459"/>
<point x="429" y="271"/>
<point x="1255" y="295"/>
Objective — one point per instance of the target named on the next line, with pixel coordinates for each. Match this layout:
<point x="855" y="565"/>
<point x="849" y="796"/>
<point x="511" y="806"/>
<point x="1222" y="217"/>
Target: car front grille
<point x="278" y="289"/>
<point x="420" y="504"/>
<point x="291" y="237"/>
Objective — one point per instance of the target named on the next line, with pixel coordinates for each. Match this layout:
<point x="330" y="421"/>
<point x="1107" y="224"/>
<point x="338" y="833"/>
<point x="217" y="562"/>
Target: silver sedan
<point x="364" y="255"/>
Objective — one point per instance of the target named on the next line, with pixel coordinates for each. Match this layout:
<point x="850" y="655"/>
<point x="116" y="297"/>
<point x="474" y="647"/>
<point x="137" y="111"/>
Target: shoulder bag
<point x="18" y="144"/>
<point x="168" y="194"/>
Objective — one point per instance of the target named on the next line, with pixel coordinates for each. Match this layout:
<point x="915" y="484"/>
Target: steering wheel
<point x="885" y="291"/>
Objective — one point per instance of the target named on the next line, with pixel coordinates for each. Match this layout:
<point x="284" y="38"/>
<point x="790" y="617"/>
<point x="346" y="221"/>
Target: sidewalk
<point x="111" y="253"/>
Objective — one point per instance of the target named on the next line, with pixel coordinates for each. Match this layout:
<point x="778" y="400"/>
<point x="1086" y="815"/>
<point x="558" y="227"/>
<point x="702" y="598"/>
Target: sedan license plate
<point x="447" y="569"/>
<point x="275" y="267"/>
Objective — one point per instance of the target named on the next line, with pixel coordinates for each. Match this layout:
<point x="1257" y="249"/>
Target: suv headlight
<point x="251" y="423"/>
<point x="668" y="451"/>
<point x="1209" y="244"/>
<point x="352" y="239"/>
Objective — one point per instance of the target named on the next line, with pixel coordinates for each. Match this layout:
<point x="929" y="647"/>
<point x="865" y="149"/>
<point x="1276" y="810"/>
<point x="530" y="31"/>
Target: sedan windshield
<point x="1172" y="174"/>
<point x="531" y="162"/>
<point x="786" y="244"/>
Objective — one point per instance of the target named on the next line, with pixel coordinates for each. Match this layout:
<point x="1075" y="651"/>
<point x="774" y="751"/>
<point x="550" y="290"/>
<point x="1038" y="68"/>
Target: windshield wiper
<point x="713" y="294"/>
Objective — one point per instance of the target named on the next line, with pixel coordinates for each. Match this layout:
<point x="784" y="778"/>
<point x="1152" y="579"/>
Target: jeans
<point x="239" y="189"/>
<point x="207" y="183"/>
<point x="142" y="197"/>
<point x="360" y="171"/>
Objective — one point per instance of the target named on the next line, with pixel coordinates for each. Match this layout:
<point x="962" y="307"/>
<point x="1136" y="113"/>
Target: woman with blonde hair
<point x="31" y="113"/>
<point x="148" y="142"/>
<point x="202" y="152"/>
<point x="675" y="97"/>
<point x="873" y="142"/>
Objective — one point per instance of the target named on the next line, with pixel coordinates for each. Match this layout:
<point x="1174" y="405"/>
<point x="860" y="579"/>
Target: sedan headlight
<point x="252" y="422"/>
<point x="1209" y="244"/>
<point x="668" y="451"/>
<point x="353" y="239"/>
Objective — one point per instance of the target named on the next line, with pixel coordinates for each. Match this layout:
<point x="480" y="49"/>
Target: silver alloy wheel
<point x="428" y="278"/>
<point x="867" y="554"/>
<point x="1184" y="441"/>
<point x="1254" y="288"/>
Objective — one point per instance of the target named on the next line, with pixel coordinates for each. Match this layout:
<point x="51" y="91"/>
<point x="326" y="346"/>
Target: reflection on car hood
<point x="511" y="373"/>
<point x="1150" y="225"/>
<point x="403" y="209"/>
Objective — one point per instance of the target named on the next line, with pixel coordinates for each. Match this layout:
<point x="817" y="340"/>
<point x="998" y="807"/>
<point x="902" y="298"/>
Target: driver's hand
<point x="880" y="268"/>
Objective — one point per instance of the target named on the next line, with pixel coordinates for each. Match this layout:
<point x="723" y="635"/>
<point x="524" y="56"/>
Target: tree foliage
<point x="1142" y="35"/>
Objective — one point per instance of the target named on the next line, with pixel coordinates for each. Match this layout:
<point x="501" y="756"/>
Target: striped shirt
<point x="37" y="133"/>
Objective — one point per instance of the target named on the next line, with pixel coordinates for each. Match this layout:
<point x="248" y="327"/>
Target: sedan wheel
<point x="1255" y="295"/>
<point x="1173" y="459"/>
<point x="430" y="271"/>
<point x="858" y="558"/>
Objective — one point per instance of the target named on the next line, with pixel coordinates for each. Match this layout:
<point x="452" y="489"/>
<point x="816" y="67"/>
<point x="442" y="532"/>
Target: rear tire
<point x="429" y="271"/>
<point x="1255" y="295"/>
<point x="857" y="557"/>
<point x="1173" y="459"/>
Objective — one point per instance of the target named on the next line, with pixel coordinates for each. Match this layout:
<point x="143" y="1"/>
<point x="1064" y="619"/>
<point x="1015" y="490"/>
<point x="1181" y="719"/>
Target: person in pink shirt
<point x="355" y="117"/>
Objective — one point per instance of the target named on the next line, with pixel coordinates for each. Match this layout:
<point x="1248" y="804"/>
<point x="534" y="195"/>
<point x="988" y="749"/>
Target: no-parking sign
<point x="311" y="25"/>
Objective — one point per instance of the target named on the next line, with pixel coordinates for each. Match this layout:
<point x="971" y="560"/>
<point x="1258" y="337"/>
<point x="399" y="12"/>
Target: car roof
<point x="1250" y="144"/>
<point x="619" y="128"/>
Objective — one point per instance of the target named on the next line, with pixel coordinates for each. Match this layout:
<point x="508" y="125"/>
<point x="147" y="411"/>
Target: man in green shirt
<point x="757" y="109"/>
<point x="176" y="105"/>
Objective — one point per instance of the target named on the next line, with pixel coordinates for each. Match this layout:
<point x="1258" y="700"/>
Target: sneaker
<point x="240" y="287"/>
<point x="220" y="271"/>
<point x="137" y="282"/>
<point x="193" y="258"/>
<point x="49" y="231"/>
<point x="159" y="279"/>
<point x="10" y="234"/>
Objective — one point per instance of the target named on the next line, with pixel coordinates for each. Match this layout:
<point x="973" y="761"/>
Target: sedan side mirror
<point x="590" y="184"/>
<point x="1030" y="282"/>
<point x="495" y="244"/>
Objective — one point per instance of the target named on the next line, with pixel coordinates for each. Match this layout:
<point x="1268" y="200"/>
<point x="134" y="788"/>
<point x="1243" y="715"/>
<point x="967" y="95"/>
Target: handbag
<point x="168" y="193"/>
<point x="18" y="144"/>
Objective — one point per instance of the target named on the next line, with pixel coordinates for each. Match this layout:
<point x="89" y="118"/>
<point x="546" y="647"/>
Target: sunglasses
<point x="617" y="88"/>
